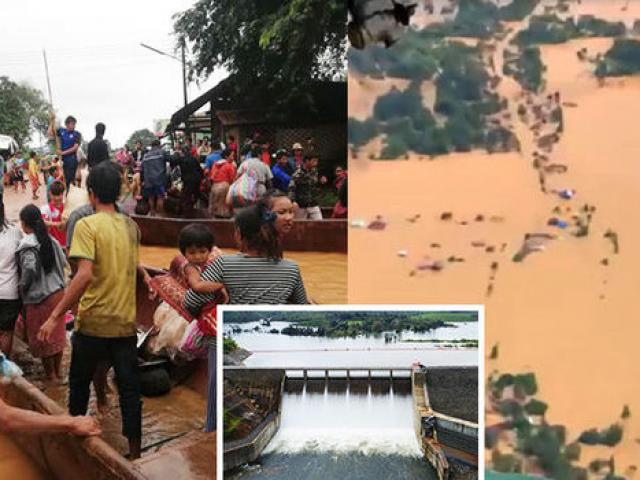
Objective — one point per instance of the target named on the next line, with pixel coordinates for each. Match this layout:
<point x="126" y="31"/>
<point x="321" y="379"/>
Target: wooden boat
<point x="306" y="236"/>
<point x="174" y="445"/>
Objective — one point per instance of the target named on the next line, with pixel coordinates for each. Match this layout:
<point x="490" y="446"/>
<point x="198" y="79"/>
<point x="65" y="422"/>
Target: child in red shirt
<point x="52" y="213"/>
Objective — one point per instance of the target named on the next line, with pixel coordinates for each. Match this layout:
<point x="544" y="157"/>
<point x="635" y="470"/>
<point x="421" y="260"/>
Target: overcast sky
<point x="98" y="70"/>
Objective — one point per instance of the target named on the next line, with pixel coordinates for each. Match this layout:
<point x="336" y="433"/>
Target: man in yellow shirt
<point x="105" y="246"/>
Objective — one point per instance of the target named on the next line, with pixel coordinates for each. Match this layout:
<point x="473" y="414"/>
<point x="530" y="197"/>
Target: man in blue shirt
<point x="213" y="157"/>
<point x="69" y="143"/>
<point x="280" y="170"/>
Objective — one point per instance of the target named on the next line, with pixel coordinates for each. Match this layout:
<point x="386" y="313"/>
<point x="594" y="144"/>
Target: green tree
<point x="145" y="135"/>
<point x="23" y="110"/>
<point x="275" y="45"/>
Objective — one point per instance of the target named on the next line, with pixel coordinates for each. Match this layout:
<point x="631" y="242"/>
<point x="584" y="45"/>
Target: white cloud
<point x="98" y="70"/>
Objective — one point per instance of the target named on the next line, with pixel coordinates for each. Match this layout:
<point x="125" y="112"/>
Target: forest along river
<point x="278" y="350"/>
<point x="364" y="434"/>
<point x="355" y="436"/>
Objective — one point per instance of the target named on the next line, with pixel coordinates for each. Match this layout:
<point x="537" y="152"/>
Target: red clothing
<point x="266" y="158"/>
<point x="234" y="147"/>
<point x="51" y="213"/>
<point x="194" y="152"/>
<point x="223" y="172"/>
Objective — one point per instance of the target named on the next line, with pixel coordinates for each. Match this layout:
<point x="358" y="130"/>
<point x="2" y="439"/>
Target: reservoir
<point x="278" y="350"/>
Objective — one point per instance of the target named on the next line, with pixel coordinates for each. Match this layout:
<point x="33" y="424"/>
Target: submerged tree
<point x="281" y="45"/>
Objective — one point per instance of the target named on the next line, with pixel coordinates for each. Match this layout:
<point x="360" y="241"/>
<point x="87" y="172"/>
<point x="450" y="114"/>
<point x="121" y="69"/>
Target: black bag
<point x="142" y="207"/>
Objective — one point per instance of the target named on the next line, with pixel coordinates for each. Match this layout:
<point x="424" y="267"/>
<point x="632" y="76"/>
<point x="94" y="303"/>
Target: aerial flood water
<point x="559" y="311"/>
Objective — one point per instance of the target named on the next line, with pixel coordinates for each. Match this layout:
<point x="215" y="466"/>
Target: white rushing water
<point x="345" y="422"/>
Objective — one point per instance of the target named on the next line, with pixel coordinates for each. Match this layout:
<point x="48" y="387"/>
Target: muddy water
<point x="560" y="313"/>
<point x="13" y="460"/>
<point x="324" y="274"/>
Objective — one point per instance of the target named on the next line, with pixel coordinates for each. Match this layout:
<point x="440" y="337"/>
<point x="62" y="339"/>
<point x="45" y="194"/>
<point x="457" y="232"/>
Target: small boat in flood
<point x="329" y="235"/>
<point x="174" y="444"/>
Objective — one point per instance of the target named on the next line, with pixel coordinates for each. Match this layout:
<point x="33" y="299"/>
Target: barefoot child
<point x="34" y="175"/>
<point x="41" y="264"/>
<point x="105" y="246"/>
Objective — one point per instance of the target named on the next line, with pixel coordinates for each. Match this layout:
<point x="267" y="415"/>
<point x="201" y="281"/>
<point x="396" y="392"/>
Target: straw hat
<point x="296" y="146"/>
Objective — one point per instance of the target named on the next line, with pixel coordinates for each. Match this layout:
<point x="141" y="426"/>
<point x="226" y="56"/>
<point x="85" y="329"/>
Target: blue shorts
<point x="157" y="191"/>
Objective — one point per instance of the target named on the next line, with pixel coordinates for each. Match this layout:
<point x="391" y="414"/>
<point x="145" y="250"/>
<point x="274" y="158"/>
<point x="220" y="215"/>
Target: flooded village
<point x="539" y="228"/>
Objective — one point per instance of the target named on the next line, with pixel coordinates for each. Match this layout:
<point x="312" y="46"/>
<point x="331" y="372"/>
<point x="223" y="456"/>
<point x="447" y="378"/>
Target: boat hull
<point x="306" y="235"/>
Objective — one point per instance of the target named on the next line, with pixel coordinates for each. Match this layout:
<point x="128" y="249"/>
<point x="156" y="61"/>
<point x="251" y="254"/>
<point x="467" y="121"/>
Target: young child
<point x="17" y="172"/>
<point x="34" y="175"/>
<point x="196" y="243"/>
<point x="52" y="213"/>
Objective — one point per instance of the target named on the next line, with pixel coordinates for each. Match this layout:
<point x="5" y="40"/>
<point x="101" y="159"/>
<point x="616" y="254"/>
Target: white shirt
<point x="9" y="239"/>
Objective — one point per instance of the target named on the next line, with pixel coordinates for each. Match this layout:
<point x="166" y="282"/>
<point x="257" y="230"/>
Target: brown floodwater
<point x="324" y="274"/>
<point x="560" y="313"/>
<point x="13" y="459"/>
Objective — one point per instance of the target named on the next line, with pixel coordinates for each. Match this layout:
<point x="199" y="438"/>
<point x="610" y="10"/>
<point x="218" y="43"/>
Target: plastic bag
<point x="171" y="327"/>
<point x="207" y="320"/>
<point x="244" y="191"/>
<point x="8" y="369"/>
<point x="194" y="342"/>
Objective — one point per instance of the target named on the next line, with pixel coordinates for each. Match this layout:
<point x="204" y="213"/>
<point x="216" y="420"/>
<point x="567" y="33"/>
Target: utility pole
<point x="184" y="72"/>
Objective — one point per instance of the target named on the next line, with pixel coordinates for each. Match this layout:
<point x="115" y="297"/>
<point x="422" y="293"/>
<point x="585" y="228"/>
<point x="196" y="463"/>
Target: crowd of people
<point x="81" y="267"/>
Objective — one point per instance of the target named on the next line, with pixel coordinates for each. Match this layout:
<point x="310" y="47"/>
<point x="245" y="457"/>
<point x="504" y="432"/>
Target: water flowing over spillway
<point x="329" y="435"/>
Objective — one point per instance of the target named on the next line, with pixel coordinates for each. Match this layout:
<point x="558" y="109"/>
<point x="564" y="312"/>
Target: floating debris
<point x="414" y="219"/>
<point x="613" y="238"/>
<point x="503" y="247"/>
<point x="495" y="266"/>
<point x="496" y="219"/>
<point x="377" y="224"/>
<point x="479" y="218"/>
<point x="402" y="253"/>
<point x="566" y="193"/>
<point x="605" y="262"/>
<point x="557" y="222"/>
<point x="454" y="259"/>
<point x="435" y="245"/>
<point x="446" y="216"/>
<point x="490" y="249"/>
<point x="434" y="265"/>
<point x="478" y="244"/>
<point x="358" y="223"/>
<point x="533" y="242"/>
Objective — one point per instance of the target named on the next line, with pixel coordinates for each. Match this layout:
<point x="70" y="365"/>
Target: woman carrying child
<point x="256" y="275"/>
<point x="41" y="263"/>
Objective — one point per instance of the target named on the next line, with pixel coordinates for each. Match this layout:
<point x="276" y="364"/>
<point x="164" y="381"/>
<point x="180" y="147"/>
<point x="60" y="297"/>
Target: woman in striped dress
<point x="257" y="275"/>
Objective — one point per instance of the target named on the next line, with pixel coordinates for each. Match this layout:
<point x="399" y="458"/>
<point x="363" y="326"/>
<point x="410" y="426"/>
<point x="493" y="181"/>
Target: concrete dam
<point x="364" y="422"/>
